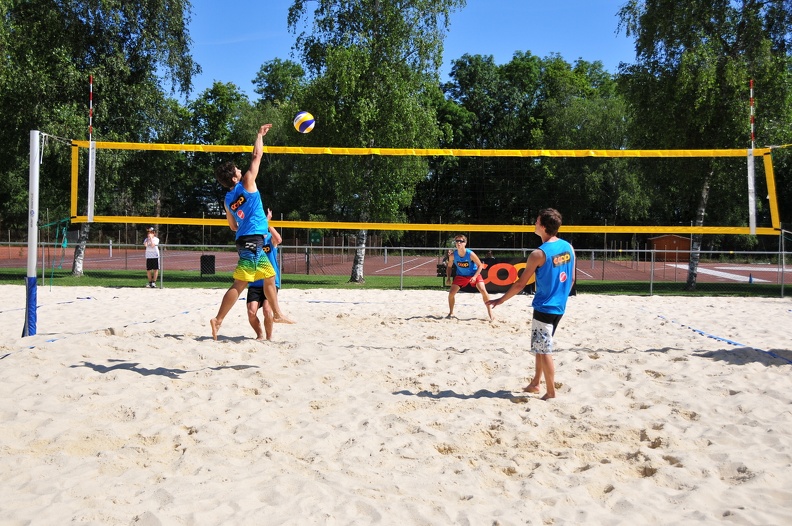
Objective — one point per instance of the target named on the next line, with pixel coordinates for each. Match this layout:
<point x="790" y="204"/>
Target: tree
<point x="374" y="68"/>
<point x="688" y="89"/>
<point x="49" y="50"/>
<point x="580" y="108"/>
<point x="528" y="103"/>
<point x="279" y="81"/>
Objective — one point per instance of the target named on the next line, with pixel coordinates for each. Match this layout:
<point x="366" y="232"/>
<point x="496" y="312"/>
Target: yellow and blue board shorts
<point x="253" y="263"/>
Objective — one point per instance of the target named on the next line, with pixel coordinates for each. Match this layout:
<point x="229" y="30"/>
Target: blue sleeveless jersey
<point x="464" y="264"/>
<point x="272" y="254"/>
<point x="248" y="211"/>
<point x="554" y="277"/>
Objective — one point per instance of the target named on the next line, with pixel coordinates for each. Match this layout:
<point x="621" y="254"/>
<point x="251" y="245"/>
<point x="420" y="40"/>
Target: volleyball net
<point x="107" y="157"/>
<point x="82" y="209"/>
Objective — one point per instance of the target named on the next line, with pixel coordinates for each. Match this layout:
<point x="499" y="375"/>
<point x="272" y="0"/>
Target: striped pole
<point x="753" y="137"/>
<point x="751" y="171"/>
<point x="91" y="155"/>
<point x="90" y="107"/>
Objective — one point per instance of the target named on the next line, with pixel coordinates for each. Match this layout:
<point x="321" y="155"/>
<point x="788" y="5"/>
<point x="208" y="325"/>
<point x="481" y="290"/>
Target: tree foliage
<point x="48" y="52"/>
<point x="374" y="67"/>
<point x="689" y="89"/>
<point x="368" y="71"/>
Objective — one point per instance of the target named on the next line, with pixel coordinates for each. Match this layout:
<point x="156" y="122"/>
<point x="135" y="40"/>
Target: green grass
<point x="641" y="288"/>
<point x="221" y="280"/>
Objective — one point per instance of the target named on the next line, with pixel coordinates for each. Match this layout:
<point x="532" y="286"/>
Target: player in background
<point x="256" y="298"/>
<point x="468" y="272"/>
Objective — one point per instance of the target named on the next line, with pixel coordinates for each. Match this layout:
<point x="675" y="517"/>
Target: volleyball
<point x="304" y="122"/>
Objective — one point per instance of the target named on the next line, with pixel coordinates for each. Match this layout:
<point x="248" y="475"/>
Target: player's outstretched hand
<point x="494" y="303"/>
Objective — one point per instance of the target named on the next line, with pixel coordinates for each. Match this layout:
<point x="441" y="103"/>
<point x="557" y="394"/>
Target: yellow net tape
<point x="324" y="150"/>
<point x="426" y="152"/>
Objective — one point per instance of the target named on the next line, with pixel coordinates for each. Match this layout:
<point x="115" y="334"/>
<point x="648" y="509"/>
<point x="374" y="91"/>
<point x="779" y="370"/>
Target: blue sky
<point x="233" y="38"/>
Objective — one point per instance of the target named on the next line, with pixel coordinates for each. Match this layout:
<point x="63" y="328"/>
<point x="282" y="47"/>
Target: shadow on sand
<point x="159" y="371"/>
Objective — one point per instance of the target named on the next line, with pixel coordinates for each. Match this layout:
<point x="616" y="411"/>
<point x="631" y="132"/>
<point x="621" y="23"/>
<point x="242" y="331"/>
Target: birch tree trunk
<point x="79" y="250"/>
<point x="360" y="256"/>
<point x="695" y="244"/>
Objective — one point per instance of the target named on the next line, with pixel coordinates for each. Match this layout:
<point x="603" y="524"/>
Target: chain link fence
<point x="598" y="270"/>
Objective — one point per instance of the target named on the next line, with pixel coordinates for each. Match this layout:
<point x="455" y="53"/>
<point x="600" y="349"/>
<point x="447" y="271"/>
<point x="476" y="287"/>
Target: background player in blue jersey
<point x="468" y="272"/>
<point x="256" y="296"/>
<point x="554" y="265"/>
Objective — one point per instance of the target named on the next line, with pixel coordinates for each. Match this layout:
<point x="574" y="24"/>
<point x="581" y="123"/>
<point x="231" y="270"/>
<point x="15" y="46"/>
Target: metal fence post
<point x="651" y="274"/>
<point x="401" y="270"/>
<point x="161" y="265"/>
<point x="782" y="260"/>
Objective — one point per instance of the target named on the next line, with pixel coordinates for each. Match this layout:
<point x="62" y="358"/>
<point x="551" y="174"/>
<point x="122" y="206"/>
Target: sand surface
<point x="375" y="409"/>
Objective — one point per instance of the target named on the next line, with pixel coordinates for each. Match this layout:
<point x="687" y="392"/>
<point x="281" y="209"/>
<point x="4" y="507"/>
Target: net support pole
<point x="91" y="154"/>
<point x="91" y="180"/>
<point x="751" y="173"/>
<point x="31" y="302"/>
<point x="751" y="193"/>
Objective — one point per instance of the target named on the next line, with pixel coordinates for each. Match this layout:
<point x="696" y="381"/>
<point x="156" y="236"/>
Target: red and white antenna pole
<point x="753" y="137"/>
<point x="90" y="108"/>
<point x="751" y="173"/>
<point x="91" y="155"/>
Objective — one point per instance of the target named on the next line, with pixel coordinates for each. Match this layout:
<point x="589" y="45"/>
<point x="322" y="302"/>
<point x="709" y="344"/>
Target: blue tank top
<point x="464" y="264"/>
<point x="272" y="254"/>
<point x="554" y="277"/>
<point x="247" y="210"/>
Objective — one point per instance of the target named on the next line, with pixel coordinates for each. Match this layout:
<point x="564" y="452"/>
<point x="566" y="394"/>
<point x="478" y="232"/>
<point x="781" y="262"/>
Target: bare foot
<point x="215" y="327"/>
<point x="530" y="389"/>
<point x="547" y="397"/>
<point x="450" y="316"/>
<point x="282" y="319"/>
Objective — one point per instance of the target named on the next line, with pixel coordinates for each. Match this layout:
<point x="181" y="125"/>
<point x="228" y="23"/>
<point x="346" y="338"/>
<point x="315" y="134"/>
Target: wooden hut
<point x="671" y="248"/>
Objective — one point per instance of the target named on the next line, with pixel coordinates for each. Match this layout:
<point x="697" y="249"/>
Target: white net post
<point x="751" y="173"/>
<point x="91" y="180"/>
<point x="751" y="193"/>
<point x="33" y="214"/>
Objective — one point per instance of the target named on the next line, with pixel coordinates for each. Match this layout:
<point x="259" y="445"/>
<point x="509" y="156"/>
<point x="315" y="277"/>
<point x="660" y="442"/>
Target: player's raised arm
<point x="249" y="179"/>
<point x="276" y="237"/>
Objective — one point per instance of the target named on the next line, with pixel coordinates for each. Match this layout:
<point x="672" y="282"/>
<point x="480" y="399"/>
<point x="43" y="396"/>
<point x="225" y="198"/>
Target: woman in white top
<point x="152" y="256"/>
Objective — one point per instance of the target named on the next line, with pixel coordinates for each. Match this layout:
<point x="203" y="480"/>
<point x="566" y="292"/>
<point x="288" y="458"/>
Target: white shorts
<point x="541" y="337"/>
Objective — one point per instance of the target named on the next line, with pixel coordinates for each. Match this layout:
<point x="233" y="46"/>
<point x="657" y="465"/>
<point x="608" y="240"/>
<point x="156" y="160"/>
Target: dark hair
<point x="225" y="174"/>
<point x="550" y="219"/>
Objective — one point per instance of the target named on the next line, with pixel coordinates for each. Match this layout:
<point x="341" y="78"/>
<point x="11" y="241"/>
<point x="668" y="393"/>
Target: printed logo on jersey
<point x="562" y="259"/>
<point x="463" y="264"/>
<point x="239" y="202"/>
<point x="562" y="277"/>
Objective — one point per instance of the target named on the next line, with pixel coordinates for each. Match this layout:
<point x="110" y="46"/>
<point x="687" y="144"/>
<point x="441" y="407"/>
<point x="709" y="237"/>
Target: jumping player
<point x="245" y="215"/>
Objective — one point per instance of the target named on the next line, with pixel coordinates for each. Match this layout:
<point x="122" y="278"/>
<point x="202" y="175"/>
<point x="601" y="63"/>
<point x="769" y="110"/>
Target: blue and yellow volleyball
<point x="304" y="122"/>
